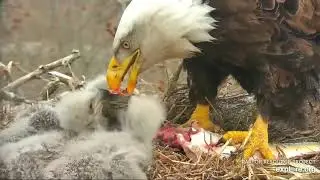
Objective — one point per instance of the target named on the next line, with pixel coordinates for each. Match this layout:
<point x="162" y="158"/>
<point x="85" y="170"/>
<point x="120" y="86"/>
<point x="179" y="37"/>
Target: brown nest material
<point x="238" y="111"/>
<point x="234" y="112"/>
<point x="9" y="110"/>
<point x="169" y="163"/>
<point x="172" y="163"/>
<point x="224" y="108"/>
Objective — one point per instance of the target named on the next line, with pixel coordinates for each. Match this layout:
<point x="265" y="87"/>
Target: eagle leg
<point x="257" y="142"/>
<point x="201" y="116"/>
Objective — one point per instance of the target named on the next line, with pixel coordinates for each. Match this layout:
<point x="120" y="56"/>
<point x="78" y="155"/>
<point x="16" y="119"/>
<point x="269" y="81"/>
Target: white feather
<point x="80" y="110"/>
<point x="31" y="121"/>
<point x="163" y="29"/>
<point x="98" y="82"/>
<point x="98" y="156"/>
<point x="143" y="117"/>
<point x="27" y="158"/>
<point x="90" y="155"/>
<point x="72" y="112"/>
<point x="175" y="18"/>
<point x="122" y="155"/>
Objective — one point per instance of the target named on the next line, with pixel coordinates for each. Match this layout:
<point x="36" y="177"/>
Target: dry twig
<point x="49" y="89"/>
<point x="72" y="82"/>
<point x="20" y="68"/>
<point x="172" y="84"/>
<point x="43" y="69"/>
<point x="10" y="96"/>
<point x="60" y="77"/>
<point x="5" y="72"/>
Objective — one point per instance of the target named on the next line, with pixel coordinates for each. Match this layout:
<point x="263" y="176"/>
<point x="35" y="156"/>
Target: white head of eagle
<point x="152" y="31"/>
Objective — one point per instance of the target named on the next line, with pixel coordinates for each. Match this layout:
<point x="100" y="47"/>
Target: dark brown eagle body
<point x="270" y="47"/>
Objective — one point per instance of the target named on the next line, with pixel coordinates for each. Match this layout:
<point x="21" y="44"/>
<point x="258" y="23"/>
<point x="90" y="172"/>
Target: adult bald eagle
<point x="269" y="46"/>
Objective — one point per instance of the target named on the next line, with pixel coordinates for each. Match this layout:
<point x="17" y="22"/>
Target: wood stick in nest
<point x="172" y="84"/>
<point x="5" y="73"/>
<point x="43" y="69"/>
<point x="49" y="89"/>
<point x="10" y="96"/>
<point x="228" y="112"/>
<point x="59" y="79"/>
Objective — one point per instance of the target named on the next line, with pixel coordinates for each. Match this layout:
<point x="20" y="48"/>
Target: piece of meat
<point x="195" y="141"/>
<point x="187" y="138"/>
<point x="168" y="134"/>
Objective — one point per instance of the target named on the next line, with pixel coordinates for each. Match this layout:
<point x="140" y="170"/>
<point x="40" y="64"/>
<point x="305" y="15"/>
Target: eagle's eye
<point x="125" y="45"/>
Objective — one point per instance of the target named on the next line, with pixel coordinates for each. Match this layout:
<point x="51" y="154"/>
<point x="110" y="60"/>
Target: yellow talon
<point x="201" y="116"/>
<point x="237" y="136"/>
<point x="257" y="142"/>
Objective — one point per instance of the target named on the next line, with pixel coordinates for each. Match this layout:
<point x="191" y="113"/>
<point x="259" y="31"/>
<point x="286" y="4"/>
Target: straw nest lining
<point x="171" y="163"/>
<point x="234" y="112"/>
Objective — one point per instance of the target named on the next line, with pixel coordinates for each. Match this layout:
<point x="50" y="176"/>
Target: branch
<point x="173" y="82"/>
<point x="43" y="69"/>
<point x="49" y="89"/>
<point x="20" y="68"/>
<point x="9" y="96"/>
<point x="73" y="82"/>
<point x="60" y="76"/>
<point x="5" y="71"/>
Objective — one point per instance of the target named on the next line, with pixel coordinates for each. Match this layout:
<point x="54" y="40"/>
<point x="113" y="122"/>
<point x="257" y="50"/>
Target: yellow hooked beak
<point x="116" y="72"/>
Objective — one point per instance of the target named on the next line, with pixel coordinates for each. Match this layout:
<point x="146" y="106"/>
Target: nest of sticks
<point x="236" y="112"/>
<point x="232" y="110"/>
<point x="170" y="163"/>
<point x="235" y="109"/>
